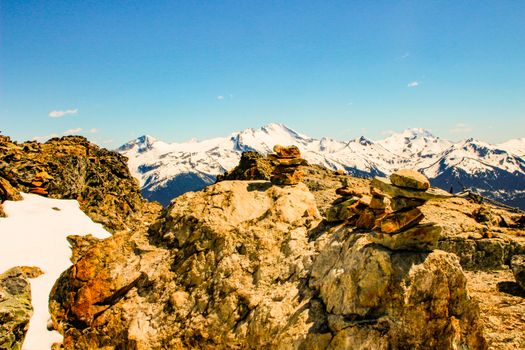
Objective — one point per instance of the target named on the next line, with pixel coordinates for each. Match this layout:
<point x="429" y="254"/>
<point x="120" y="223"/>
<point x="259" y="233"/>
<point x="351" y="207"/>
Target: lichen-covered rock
<point x="248" y="265"/>
<point x="73" y="168"/>
<point x="15" y="305"/>
<point x="377" y="298"/>
<point x="421" y="237"/>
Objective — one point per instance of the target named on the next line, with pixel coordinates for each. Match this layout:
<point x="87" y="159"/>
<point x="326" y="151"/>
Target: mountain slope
<point x="168" y="170"/>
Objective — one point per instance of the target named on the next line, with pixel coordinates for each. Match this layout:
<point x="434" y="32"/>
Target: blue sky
<point x="113" y="70"/>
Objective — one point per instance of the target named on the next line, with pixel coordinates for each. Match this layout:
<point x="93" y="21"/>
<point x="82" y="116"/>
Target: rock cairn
<point x="391" y="210"/>
<point x="288" y="161"/>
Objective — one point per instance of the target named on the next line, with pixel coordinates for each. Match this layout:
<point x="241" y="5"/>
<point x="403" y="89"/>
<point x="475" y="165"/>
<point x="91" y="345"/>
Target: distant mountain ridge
<point x="497" y="171"/>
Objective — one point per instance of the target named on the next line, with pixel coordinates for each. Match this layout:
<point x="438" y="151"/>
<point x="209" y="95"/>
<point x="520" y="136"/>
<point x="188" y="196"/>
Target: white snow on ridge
<point x="155" y="163"/>
<point x="34" y="234"/>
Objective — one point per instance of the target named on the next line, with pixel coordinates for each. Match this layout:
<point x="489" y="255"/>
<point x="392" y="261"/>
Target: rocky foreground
<point x="252" y="264"/>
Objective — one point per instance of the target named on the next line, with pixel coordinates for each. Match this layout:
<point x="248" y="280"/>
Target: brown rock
<point x="348" y="191"/>
<point x="410" y="179"/>
<point x="291" y="162"/>
<point x="385" y="186"/>
<point x="36" y="183"/>
<point x="343" y="210"/>
<point x="401" y="220"/>
<point x="287" y="151"/>
<point x="400" y="203"/>
<point x="420" y="237"/>
<point x="377" y="202"/>
<point x="366" y="220"/>
<point x="340" y="172"/>
<point x="39" y="190"/>
<point x="287" y="178"/>
<point x="284" y="169"/>
<point x="8" y="192"/>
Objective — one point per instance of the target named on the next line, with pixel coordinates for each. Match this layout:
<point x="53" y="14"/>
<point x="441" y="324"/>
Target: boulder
<point x="286" y="178"/>
<point x="8" y="192"/>
<point x="15" y="305"/>
<point x="410" y="179"/>
<point x="378" y="298"/>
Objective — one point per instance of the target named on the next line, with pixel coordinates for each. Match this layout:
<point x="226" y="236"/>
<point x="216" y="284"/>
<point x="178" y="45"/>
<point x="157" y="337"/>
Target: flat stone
<point x="421" y="237"/>
<point x="342" y="211"/>
<point x="291" y="162"/>
<point x="410" y="179"/>
<point x="348" y="191"/>
<point x="287" y="151"/>
<point x="401" y="220"/>
<point x="287" y="178"/>
<point x="384" y="185"/>
<point x="340" y="172"/>
<point x="284" y="169"/>
<point x="400" y="203"/>
<point x="39" y="190"/>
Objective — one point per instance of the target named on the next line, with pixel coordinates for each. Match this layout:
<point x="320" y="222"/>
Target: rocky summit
<point x="73" y="168"/>
<point x="330" y="262"/>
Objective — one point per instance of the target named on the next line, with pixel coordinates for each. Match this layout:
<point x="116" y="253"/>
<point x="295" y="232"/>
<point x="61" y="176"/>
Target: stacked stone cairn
<point x="287" y="159"/>
<point x="391" y="210"/>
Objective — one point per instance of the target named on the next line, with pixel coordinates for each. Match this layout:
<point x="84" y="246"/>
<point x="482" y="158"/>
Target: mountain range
<point x="167" y="170"/>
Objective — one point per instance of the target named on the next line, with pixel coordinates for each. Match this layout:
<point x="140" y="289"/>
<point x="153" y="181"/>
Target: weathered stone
<point x="73" y="168"/>
<point x="366" y="220"/>
<point x="384" y="185"/>
<point x="284" y="169"/>
<point x="385" y="299"/>
<point x="518" y="269"/>
<point x="291" y="162"/>
<point x="252" y="166"/>
<point x="410" y="179"/>
<point x="15" y="305"/>
<point x="340" y="172"/>
<point x="287" y="151"/>
<point x="348" y="191"/>
<point x="341" y="211"/>
<point x="420" y="237"/>
<point x="401" y="220"/>
<point x="8" y="192"/>
<point x="287" y="178"/>
<point x="377" y="202"/>
<point x="400" y="203"/>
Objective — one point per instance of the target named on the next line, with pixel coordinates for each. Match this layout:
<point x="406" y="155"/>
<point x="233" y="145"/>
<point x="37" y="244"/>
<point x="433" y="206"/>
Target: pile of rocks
<point x="399" y="227"/>
<point x="391" y="210"/>
<point x="288" y="160"/>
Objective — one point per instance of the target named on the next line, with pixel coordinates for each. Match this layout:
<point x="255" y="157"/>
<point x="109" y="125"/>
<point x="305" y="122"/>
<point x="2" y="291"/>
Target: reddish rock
<point x="348" y="191"/>
<point x="401" y="220"/>
<point x="8" y="192"/>
<point x="291" y="162"/>
<point x="366" y="220"/>
<point x="39" y="190"/>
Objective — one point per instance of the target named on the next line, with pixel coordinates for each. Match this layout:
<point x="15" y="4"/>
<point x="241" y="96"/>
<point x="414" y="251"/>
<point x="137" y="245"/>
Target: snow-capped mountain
<point x="168" y="170"/>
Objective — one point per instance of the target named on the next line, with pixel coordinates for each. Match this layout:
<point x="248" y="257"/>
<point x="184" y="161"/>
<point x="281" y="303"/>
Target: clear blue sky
<point x="183" y="69"/>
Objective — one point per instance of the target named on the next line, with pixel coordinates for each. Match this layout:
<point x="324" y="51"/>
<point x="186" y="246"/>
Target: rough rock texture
<point x="252" y="166"/>
<point x="73" y="168"/>
<point x="15" y="305"/>
<point x="410" y="179"/>
<point x="518" y="268"/>
<point x="377" y="298"/>
<point x="248" y="265"/>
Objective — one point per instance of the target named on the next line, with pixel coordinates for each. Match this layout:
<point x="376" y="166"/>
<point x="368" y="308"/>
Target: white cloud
<point x="58" y="114"/>
<point x="220" y="97"/>
<point x="72" y="131"/>
<point x="93" y="130"/>
<point x="460" y="128"/>
<point x="43" y="138"/>
<point x="413" y="84"/>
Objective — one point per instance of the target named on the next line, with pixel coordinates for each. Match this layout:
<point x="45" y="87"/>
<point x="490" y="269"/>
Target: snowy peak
<point x="141" y="143"/>
<point x="515" y="146"/>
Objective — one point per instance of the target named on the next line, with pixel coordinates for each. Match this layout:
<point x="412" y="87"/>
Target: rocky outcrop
<point x="248" y="265"/>
<point x="15" y="305"/>
<point x="73" y="168"/>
